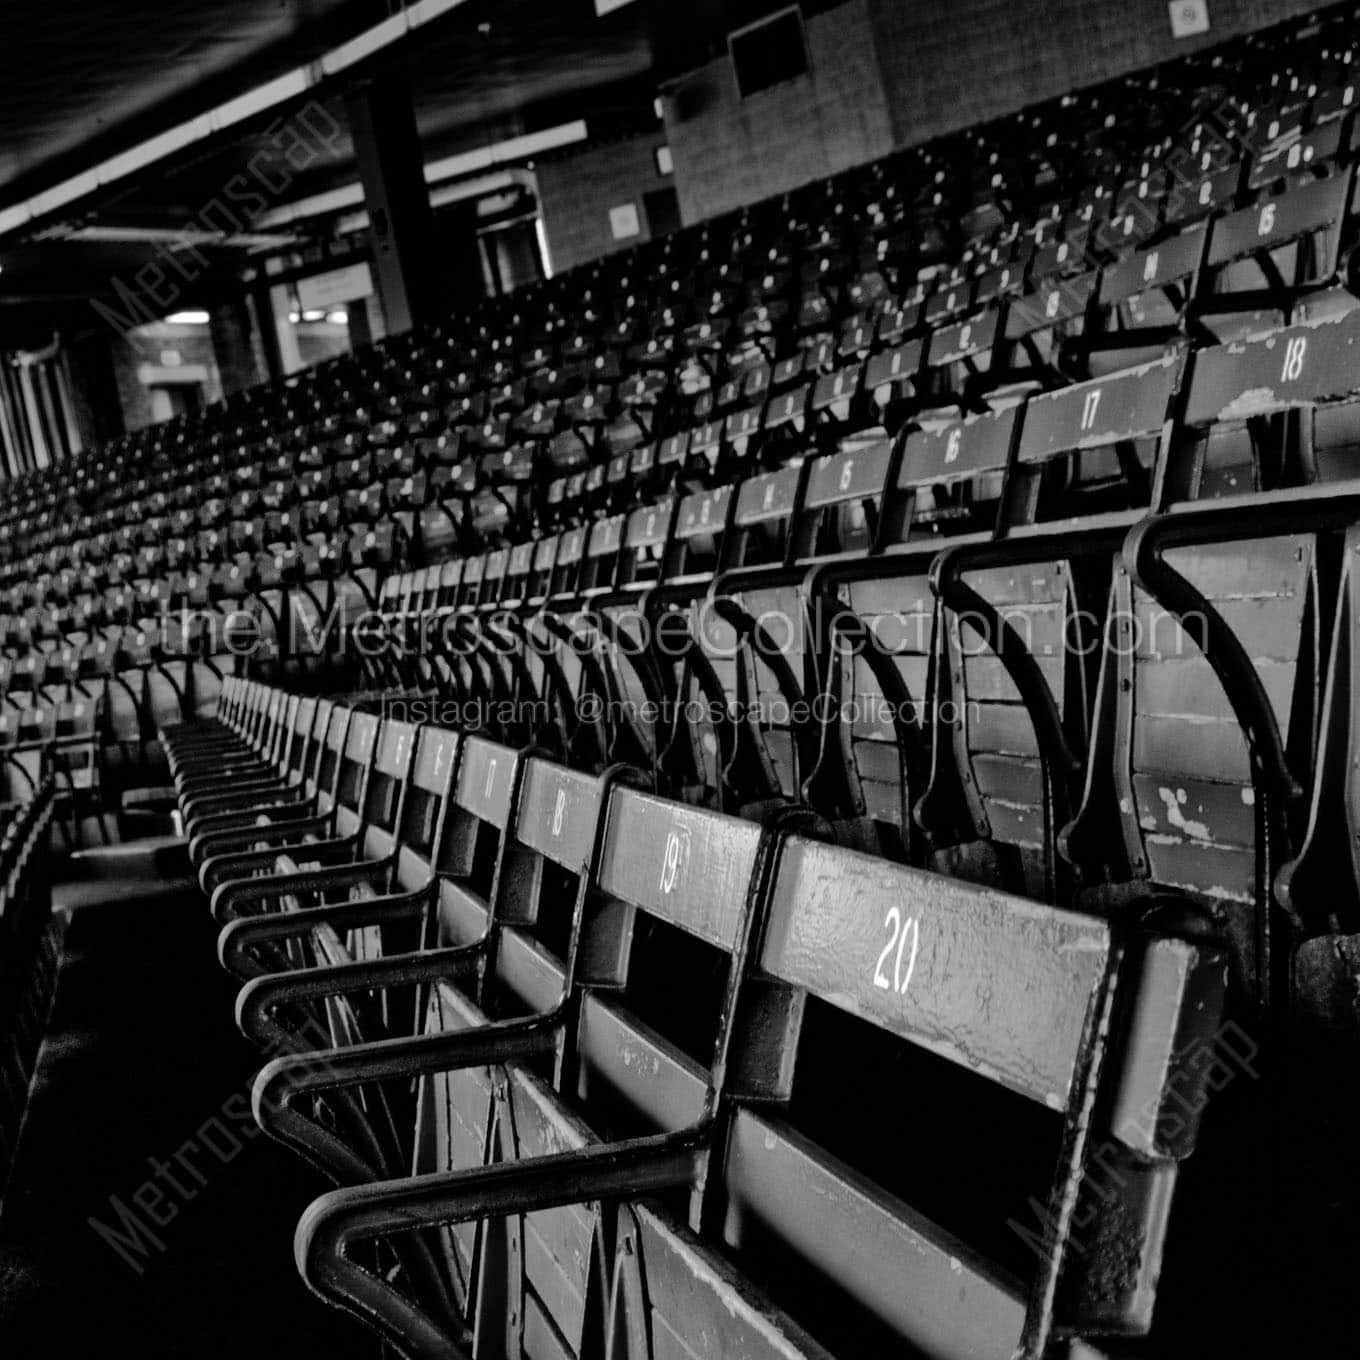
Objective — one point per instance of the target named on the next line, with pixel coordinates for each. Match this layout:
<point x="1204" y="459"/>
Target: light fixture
<point x="437" y="172"/>
<point x="295" y="317"/>
<point x="272" y="94"/>
<point x="313" y="314"/>
<point x="338" y="318"/>
<point x="189" y="318"/>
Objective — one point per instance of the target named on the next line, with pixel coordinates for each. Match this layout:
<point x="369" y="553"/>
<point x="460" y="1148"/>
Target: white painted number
<point x="559" y="812"/>
<point x="1089" y="407"/>
<point x="673" y="859"/>
<point x="490" y="778"/>
<point x="847" y="473"/>
<point x="1266" y="223"/>
<point x="1293" y="358"/>
<point x="898" y="928"/>
<point x="951" y="448"/>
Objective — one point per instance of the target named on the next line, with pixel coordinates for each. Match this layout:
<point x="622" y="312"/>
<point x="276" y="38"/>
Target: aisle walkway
<point x="139" y="1121"/>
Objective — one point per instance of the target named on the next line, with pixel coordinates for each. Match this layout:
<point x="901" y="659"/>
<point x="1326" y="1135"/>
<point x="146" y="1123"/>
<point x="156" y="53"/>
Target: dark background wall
<point x="576" y="190"/>
<point x="948" y="63"/>
<point x="885" y="74"/>
<point x="729" y="151"/>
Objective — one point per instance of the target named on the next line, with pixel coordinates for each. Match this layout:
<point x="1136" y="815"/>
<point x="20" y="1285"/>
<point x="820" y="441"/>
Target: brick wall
<point x="948" y="63"/>
<point x="886" y="74"/>
<point x="147" y="345"/>
<point x="729" y="151"/>
<point x="576" y="190"/>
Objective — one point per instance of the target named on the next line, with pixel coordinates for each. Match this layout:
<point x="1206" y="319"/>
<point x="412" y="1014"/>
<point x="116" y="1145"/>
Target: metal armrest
<point x="344" y="1219"/>
<point x="1222" y="522"/>
<point x="204" y="772"/>
<point x="247" y="813"/>
<point x="243" y="764"/>
<point x="245" y="934"/>
<point x="231" y="785"/>
<point x="273" y="794"/>
<point x="278" y="788"/>
<point x="258" y="998"/>
<point x="212" y="843"/>
<point x="227" y="898"/>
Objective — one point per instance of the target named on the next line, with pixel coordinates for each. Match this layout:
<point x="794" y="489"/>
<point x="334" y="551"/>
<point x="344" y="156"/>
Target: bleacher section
<point x="764" y="794"/>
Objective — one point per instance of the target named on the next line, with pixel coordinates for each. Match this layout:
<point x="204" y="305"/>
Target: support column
<point x="415" y="282"/>
<point x="360" y="332"/>
<point x="263" y="312"/>
<point x="94" y="388"/>
<point x="233" y="346"/>
<point x="278" y="302"/>
<point x="41" y="457"/>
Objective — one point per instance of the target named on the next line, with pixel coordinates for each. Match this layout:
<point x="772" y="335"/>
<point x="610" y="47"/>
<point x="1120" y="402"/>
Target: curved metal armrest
<point x="187" y="743"/>
<point x="1305" y="510"/>
<point x="281" y="790"/>
<point x="244" y="934"/>
<point x="207" y="773"/>
<point x="204" y="777"/>
<point x="498" y="1041"/>
<point x="337" y="1071"/>
<point x="209" y="845"/>
<point x="246" y="813"/>
<point x="233" y="790"/>
<point x="256" y="1001"/>
<point x="343" y="1219"/>
<point x="240" y="888"/>
<point x="1145" y="561"/>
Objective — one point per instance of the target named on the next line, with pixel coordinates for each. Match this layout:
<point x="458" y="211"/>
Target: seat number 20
<point x="904" y="940"/>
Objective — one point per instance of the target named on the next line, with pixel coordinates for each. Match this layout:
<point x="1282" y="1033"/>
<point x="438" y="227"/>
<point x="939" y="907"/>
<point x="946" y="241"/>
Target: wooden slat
<point x="435" y="760"/>
<point x="703" y="1309"/>
<point x="1087" y="415"/>
<point x="484" y="781"/>
<point x="394" y="750"/>
<point x="941" y="1298"/>
<point x="964" y="448"/>
<point x="1213" y="813"/>
<point x="1309" y="207"/>
<point x="840" y="477"/>
<point x="770" y="495"/>
<point x="557" y="813"/>
<point x="622" y="1060"/>
<point x="995" y="983"/>
<point x="703" y="513"/>
<point x="1169" y="262"/>
<point x="1296" y="365"/>
<point x="682" y="864"/>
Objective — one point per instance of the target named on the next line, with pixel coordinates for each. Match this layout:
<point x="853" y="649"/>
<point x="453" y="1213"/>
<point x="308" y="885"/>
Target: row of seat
<point x="29" y="947"/>
<point x="765" y="780"/>
<point x="1079" y="644"/>
<point x="289" y="504"/>
<point x="668" y="327"/>
<point x="622" y="1014"/>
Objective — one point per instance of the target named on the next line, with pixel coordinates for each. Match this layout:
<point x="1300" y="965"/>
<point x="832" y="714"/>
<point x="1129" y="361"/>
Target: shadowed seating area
<point x="787" y="790"/>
